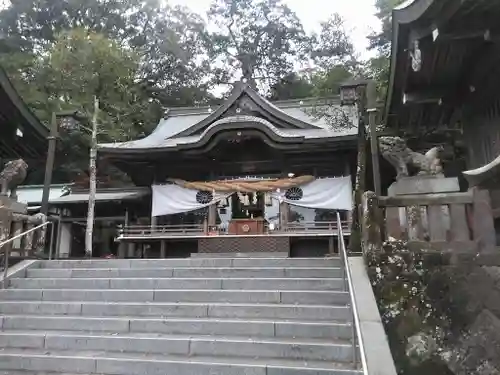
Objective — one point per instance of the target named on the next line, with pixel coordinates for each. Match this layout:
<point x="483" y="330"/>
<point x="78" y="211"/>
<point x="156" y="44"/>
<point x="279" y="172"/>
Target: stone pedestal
<point x="424" y="185"/>
<point x="13" y="206"/>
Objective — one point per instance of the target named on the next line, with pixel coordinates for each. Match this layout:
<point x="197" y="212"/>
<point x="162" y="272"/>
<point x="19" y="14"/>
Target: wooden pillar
<point x="212" y="214"/>
<point x="122" y="249"/>
<point x="131" y="250"/>
<point x="284" y="215"/>
<point x="347" y="172"/>
<point x="163" y="249"/>
<point x="331" y="245"/>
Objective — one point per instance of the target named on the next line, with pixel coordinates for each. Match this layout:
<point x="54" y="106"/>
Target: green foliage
<point x="79" y="66"/>
<point x="378" y="67"/>
<point x="420" y="304"/>
<point x="259" y="38"/>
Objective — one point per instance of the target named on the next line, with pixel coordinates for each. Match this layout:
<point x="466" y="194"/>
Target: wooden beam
<point x="439" y="21"/>
<point x="423" y="97"/>
<point x="485" y="35"/>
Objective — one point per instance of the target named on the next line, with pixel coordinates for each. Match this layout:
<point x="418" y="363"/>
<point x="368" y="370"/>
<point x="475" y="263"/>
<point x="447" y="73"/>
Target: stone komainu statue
<point x="396" y="152"/>
<point x="12" y="176"/>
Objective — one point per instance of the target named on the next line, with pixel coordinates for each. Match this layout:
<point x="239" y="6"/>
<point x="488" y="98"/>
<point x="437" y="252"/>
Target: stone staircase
<point x="198" y="316"/>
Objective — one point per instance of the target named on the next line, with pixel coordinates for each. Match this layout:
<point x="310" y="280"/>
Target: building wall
<point x="482" y="136"/>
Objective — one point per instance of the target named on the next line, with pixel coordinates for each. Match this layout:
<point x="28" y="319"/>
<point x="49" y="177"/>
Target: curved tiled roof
<point x="157" y="141"/>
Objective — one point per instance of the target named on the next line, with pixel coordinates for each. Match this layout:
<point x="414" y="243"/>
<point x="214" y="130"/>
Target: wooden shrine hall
<point x="250" y="175"/>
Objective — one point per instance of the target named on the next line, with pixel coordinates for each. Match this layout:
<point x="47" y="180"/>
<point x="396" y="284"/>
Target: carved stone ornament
<point x="12" y="176"/>
<point x="399" y="155"/>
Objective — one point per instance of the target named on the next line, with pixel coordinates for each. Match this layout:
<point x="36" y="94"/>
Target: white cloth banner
<point x="173" y="199"/>
<point x="326" y="193"/>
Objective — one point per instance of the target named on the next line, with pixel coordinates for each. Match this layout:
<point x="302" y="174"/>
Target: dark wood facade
<point x="245" y="136"/>
<point x="453" y="97"/>
<point x="450" y="97"/>
<point x="22" y="134"/>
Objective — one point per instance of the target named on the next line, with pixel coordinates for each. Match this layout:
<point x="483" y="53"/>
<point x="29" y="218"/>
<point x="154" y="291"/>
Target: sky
<point x="359" y="16"/>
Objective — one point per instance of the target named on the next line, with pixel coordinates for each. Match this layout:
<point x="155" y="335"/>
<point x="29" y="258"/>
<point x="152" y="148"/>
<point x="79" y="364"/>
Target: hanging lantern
<point x="254" y="198"/>
<point x="246" y="200"/>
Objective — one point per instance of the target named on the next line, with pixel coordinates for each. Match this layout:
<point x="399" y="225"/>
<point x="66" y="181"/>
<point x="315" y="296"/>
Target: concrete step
<point x="215" y="310"/>
<point x="192" y="262"/>
<point x="175" y="295"/>
<point x="225" y="346"/>
<point x="113" y="363"/>
<point x="181" y="283"/>
<point x="185" y="272"/>
<point x="199" y="326"/>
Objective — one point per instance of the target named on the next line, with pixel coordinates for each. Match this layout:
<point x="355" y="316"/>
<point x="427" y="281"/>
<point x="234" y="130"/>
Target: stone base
<point x="424" y="185"/>
<point x="13" y="206"/>
<point x="241" y="244"/>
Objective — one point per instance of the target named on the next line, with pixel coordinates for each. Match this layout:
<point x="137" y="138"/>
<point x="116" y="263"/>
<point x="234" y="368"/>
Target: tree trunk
<point x="92" y="183"/>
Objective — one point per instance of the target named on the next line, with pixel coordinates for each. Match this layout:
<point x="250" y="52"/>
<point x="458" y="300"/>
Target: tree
<point x="332" y="46"/>
<point x="292" y="86"/>
<point x="260" y="40"/>
<point x="168" y="40"/>
<point x="378" y="67"/>
<point x="82" y="65"/>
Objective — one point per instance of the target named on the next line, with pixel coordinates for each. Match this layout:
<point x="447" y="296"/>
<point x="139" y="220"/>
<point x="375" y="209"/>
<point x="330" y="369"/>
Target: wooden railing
<point x="194" y="230"/>
<point x="443" y="220"/>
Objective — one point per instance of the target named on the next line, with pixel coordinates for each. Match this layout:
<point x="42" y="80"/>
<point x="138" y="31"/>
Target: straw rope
<point x="244" y="186"/>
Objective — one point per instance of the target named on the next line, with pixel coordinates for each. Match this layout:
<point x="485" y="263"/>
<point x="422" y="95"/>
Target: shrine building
<point x="247" y="176"/>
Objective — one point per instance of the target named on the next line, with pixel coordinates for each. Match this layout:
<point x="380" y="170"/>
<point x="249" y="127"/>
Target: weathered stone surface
<point x="477" y="351"/>
<point x="424" y="185"/>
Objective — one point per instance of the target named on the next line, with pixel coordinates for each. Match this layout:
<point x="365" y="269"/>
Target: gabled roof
<point x="189" y="125"/>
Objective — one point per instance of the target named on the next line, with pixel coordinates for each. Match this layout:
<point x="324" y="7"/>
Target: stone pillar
<point x="64" y="250"/>
<point x="483" y="225"/>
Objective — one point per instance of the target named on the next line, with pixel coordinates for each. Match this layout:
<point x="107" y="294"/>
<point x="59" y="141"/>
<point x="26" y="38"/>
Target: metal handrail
<point x="356" y="332"/>
<point x="7" y="251"/>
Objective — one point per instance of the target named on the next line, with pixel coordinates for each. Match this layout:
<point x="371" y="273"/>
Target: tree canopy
<point x="141" y="56"/>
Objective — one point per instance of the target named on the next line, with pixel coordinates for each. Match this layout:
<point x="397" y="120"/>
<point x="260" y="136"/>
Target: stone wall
<point x="441" y="311"/>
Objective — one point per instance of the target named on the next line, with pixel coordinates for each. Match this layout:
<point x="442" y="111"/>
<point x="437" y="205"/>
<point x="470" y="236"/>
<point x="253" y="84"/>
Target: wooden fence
<point x="437" y="221"/>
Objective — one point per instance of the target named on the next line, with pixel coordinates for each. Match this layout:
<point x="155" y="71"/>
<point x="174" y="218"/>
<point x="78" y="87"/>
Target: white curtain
<point x="272" y="213"/>
<point x="326" y="193"/>
<point x="173" y="199"/>
<point x="226" y="217"/>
